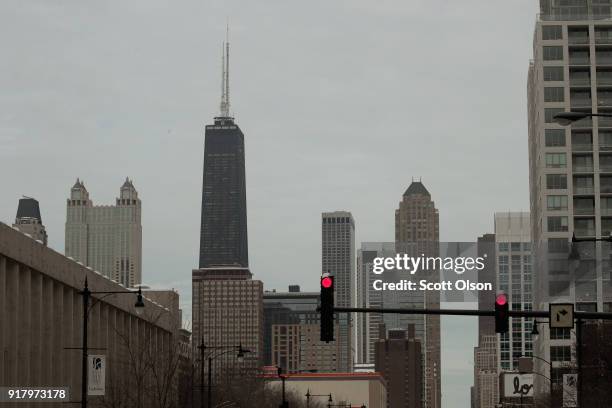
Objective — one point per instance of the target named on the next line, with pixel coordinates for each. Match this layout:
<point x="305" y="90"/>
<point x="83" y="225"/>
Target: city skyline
<point x="272" y="196"/>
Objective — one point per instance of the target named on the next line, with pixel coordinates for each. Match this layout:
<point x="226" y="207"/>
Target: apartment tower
<point x="570" y="167"/>
<point x="398" y="358"/>
<point x="107" y="238"/>
<point x="486" y="381"/>
<point x="416" y="233"/>
<point x="338" y="258"/>
<point x="292" y="333"/>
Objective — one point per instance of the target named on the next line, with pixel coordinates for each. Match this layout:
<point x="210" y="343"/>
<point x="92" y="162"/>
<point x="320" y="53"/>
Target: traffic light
<point x="501" y="313"/>
<point x="327" y="308"/>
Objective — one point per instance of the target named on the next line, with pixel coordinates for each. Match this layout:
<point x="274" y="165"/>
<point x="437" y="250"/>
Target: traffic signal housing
<point x="501" y="313"/>
<point x="327" y="308"/>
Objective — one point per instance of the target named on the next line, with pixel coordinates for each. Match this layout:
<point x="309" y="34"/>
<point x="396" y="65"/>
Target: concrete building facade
<point x="107" y="238"/>
<point x="486" y="385"/>
<point x="485" y="392"/>
<point x="570" y="168"/>
<point x="515" y="278"/>
<point x="228" y="311"/>
<point x="292" y="333"/>
<point x="369" y="325"/>
<point x="399" y="358"/>
<point x="338" y="258"/>
<point x="41" y="324"/>
<point x="417" y="232"/>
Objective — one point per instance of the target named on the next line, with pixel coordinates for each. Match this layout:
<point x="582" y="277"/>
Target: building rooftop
<point x="28" y="208"/>
<point x="416" y="187"/>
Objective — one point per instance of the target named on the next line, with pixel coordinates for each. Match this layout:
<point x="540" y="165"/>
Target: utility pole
<point x="86" y="294"/>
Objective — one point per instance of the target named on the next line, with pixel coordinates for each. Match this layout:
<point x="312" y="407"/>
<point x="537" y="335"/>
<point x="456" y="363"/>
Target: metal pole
<point x="86" y="293"/>
<point x="209" y="382"/>
<point x="551" y="380"/>
<point x="579" y="357"/>
<point x="201" y="347"/>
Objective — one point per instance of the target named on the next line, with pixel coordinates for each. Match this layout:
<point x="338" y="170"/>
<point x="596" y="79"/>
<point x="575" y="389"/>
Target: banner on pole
<point x="570" y="390"/>
<point x="95" y="374"/>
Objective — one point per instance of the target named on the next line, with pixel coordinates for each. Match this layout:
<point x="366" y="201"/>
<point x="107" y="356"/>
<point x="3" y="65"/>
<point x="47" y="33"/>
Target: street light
<point x="86" y="293"/>
<point x="211" y="357"/>
<point x="567" y="118"/>
<point x="309" y="395"/>
<point x="284" y="403"/>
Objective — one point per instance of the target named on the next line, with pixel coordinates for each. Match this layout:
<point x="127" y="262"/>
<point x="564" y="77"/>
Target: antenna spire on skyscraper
<point x="225" y="100"/>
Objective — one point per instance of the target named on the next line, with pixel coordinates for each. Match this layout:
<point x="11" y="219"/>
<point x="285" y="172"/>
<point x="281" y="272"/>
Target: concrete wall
<point x="358" y="389"/>
<point x="41" y="314"/>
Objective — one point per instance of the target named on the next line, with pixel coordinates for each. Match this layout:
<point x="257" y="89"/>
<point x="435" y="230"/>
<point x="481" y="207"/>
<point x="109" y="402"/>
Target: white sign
<point x="518" y="385"/>
<point x="95" y="374"/>
<point x="561" y="315"/>
<point x="570" y="390"/>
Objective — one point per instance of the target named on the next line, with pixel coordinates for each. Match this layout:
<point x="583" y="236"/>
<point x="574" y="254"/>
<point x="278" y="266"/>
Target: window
<point x="556" y="202"/>
<point x="552" y="53"/>
<point x="557" y="224"/>
<point x="556" y="181"/>
<point x="552" y="32"/>
<point x="553" y="73"/>
<point x="549" y="113"/>
<point x="503" y="247"/>
<point x="560" y="353"/>
<point x="554" y="137"/>
<point x="583" y="185"/>
<point x="515" y="246"/>
<point x="558" y="246"/>
<point x="580" y="76"/>
<point x="583" y="163"/>
<point x="559" y="333"/>
<point x="582" y="141"/>
<point x="553" y="94"/>
<point x="558" y="266"/>
<point x="558" y="288"/>
<point x="556" y="160"/>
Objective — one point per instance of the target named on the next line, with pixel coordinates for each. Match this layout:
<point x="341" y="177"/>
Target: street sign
<point x="518" y="385"/>
<point x="561" y="315"/>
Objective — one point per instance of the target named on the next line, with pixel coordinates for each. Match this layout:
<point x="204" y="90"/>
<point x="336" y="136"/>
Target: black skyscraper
<point x="223" y="233"/>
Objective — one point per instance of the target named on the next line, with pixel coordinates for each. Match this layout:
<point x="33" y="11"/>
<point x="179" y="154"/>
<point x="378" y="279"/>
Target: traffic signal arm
<point x="469" y="312"/>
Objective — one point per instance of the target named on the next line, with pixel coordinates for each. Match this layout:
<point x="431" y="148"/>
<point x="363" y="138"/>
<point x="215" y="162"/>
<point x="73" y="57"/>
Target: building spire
<point x="225" y="99"/>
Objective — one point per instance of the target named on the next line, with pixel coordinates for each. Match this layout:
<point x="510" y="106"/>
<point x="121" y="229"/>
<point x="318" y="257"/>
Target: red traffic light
<point x="501" y="299"/>
<point x="327" y="282"/>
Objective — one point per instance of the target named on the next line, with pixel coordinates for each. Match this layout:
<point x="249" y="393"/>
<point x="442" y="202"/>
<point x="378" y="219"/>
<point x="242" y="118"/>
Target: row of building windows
<point x="581" y="140"/>
<point x="578" y="34"/>
<point x="513" y="246"/>
<point x="336" y="220"/>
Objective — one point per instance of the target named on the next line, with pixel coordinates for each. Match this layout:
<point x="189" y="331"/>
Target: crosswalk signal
<point x="501" y="313"/>
<point x="327" y="308"/>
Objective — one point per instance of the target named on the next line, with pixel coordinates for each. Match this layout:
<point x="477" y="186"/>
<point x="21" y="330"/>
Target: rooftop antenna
<point x="225" y="100"/>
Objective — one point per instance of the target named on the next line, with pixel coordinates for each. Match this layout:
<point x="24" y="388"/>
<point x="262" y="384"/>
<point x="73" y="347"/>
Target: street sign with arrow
<point x="561" y="315"/>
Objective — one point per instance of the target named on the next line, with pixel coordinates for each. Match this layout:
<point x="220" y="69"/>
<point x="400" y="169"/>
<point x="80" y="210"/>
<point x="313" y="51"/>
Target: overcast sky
<point x="342" y="103"/>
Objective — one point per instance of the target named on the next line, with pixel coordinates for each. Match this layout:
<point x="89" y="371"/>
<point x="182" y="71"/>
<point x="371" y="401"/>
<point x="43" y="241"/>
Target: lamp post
<point x="228" y="349"/>
<point x="284" y="403"/>
<point x="535" y="333"/>
<point x="309" y="395"/>
<point x="86" y="293"/>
